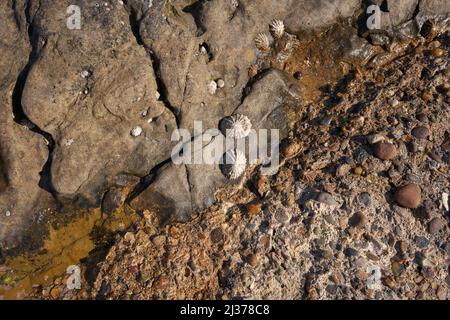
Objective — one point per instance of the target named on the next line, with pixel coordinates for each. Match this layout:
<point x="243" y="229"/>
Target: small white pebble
<point x="69" y="142"/>
<point x="144" y="113"/>
<point x="220" y="83"/>
<point x="8" y="213"/>
<point x="375" y="138"/>
<point x="157" y="95"/>
<point x="393" y="102"/>
<point x="212" y="87"/>
<point x="150" y="120"/>
<point x="85" y="74"/>
<point x="445" y="199"/>
<point x="136" y="132"/>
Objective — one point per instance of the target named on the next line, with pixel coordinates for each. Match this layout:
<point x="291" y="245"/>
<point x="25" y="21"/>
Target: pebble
<point x="358" y="220"/>
<point x="350" y="252"/>
<point x="385" y="150"/>
<point x="252" y="260"/>
<point x="447" y="248"/>
<point x="216" y="235"/>
<point x="393" y="102"/>
<point x="446" y="145"/>
<point x="446" y="201"/>
<point x="365" y="199"/>
<point x="161" y="283"/>
<point x="328" y="199"/>
<point x="389" y="282"/>
<point x="281" y="216"/>
<point x="437" y="52"/>
<point x="220" y="83"/>
<point x="421" y="132"/>
<point x="372" y="139"/>
<point x="8" y="213"/>
<point x="409" y="196"/>
<point x="343" y="170"/>
<point x="427" y="95"/>
<point x="136" y="132"/>
<point x="397" y="268"/>
<point x="326" y="121"/>
<point x="254" y="208"/>
<point x="85" y="74"/>
<point x="435" y="226"/>
<point x="422" y="117"/>
<point x="358" y="171"/>
<point x="54" y="293"/>
<point x="290" y="150"/>
<point x="421" y="242"/>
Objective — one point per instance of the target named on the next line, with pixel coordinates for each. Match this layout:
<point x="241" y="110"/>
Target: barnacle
<point x="277" y="28"/>
<point x="237" y="126"/>
<point x="136" y="132"/>
<point x="212" y="87"/>
<point x="234" y="164"/>
<point x="262" y="42"/>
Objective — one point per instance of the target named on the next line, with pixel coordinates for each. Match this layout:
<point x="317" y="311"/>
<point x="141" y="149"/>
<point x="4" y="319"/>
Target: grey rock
<point x="365" y="199"/>
<point x="325" y="13"/>
<point x="328" y="199"/>
<point x="168" y="195"/>
<point x="400" y="11"/>
<point x="350" y="252"/>
<point x="23" y="153"/>
<point x="421" y="242"/>
<point x="92" y="132"/>
<point x="437" y="10"/>
<point x="436" y="225"/>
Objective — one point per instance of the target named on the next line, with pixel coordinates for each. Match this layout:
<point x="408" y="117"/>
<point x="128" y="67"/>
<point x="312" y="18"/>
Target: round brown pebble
<point x="409" y="196"/>
<point x="437" y="52"/>
<point x="252" y="260"/>
<point x="385" y="150"/>
<point x="358" y="171"/>
<point x="358" y="220"/>
<point x="290" y="150"/>
<point x="435" y="226"/>
<point x="54" y="293"/>
<point x="427" y="95"/>
<point x="216" y="235"/>
<point x="421" y="132"/>
<point x="254" y="208"/>
<point x="161" y="283"/>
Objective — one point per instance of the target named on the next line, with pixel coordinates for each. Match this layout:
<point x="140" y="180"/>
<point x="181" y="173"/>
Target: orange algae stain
<point x="65" y="246"/>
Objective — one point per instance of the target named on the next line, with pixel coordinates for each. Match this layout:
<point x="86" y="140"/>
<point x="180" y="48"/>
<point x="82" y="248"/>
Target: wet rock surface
<point x="356" y="209"/>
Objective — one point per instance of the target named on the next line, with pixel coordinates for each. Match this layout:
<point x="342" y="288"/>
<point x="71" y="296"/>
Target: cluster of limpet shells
<point x="234" y="162"/>
<point x="276" y="47"/>
<point x="277" y="30"/>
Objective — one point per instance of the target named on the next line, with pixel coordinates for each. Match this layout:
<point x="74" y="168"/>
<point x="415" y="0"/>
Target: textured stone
<point x="409" y="196"/>
<point x="384" y="150"/>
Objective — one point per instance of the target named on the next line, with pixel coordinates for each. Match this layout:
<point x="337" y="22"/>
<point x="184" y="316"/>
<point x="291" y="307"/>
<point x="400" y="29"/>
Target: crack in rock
<point x="18" y="113"/>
